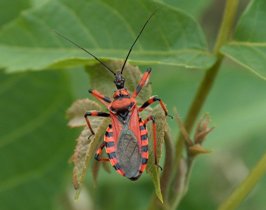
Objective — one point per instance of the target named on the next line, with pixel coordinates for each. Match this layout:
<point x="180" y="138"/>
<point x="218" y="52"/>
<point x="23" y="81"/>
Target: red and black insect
<point x="126" y="138"/>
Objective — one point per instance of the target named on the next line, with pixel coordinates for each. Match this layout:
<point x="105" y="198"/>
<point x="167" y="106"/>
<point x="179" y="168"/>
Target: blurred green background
<point x="36" y="144"/>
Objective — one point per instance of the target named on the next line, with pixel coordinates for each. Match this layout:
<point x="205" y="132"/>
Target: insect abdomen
<point x="129" y="154"/>
<point x="111" y="150"/>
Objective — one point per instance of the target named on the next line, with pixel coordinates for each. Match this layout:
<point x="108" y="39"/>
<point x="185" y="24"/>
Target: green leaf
<point x="76" y="112"/>
<point x="9" y="12"/>
<point x="107" y="29"/>
<point x="189" y="6"/>
<point x="34" y="141"/>
<point x="85" y="150"/>
<point x="87" y="143"/>
<point x="152" y="169"/>
<point x="38" y="3"/>
<point x="248" y="47"/>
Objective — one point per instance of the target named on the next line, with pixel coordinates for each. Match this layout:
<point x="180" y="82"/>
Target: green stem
<point x="242" y="191"/>
<point x="209" y="78"/>
<point x="168" y="164"/>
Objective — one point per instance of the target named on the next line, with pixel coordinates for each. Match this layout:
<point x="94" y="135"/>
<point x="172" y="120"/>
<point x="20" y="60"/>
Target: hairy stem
<point x="207" y="82"/>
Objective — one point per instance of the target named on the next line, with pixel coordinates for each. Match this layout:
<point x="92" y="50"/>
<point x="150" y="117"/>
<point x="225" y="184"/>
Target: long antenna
<point x="77" y="45"/>
<point x="122" y="69"/>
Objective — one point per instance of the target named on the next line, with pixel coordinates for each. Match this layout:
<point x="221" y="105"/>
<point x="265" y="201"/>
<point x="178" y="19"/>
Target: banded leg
<point x="151" y="101"/>
<point x="99" y="152"/>
<point x="103" y="99"/>
<point x="143" y="81"/>
<point x="151" y="118"/>
<point x="94" y="114"/>
<point x="144" y="146"/>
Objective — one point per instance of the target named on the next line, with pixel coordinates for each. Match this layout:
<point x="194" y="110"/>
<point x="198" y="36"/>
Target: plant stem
<point x="242" y="191"/>
<point x="168" y="163"/>
<point x="208" y="80"/>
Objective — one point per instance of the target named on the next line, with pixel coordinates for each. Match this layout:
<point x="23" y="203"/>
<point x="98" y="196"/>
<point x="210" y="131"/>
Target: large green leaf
<point x="106" y="28"/>
<point x="188" y="6"/>
<point x="35" y="143"/>
<point x="9" y="10"/>
<point x="248" y="47"/>
<point x="37" y="3"/>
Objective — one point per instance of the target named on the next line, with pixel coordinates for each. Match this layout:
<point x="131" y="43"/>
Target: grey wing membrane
<point x="129" y="154"/>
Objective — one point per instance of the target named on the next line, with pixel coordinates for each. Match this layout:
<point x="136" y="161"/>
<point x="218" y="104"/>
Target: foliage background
<point x="35" y="143"/>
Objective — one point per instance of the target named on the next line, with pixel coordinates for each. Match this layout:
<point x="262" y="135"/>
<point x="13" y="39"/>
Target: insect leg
<point x="94" y="114"/>
<point x="152" y="118"/>
<point x="99" y="152"/>
<point x="143" y="81"/>
<point x="103" y="99"/>
<point x="151" y="101"/>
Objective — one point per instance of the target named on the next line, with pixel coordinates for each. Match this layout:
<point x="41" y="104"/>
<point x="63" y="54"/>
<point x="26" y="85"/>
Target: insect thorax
<point x="122" y="104"/>
<point x="121" y="93"/>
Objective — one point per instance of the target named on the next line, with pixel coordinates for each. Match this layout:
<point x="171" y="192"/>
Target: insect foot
<point x="171" y="116"/>
<point x="160" y="167"/>
<point x="92" y="134"/>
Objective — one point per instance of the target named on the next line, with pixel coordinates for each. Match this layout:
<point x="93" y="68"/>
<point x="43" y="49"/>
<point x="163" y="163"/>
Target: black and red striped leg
<point x="151" y="101"/>
<point x="144" y="80"/>
<point x="99" y="152"/>
<point x="94" y="114"/>
<point x="152" y="118"/>
<point x="103" y="99"/>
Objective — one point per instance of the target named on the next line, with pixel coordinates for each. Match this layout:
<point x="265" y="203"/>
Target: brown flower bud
<point x="202" y="129"/>
<point x="197" y="149"/>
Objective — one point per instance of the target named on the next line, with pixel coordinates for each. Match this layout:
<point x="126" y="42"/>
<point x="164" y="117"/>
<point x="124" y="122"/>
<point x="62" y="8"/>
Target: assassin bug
<point x="126" y="138"/>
